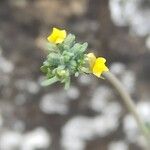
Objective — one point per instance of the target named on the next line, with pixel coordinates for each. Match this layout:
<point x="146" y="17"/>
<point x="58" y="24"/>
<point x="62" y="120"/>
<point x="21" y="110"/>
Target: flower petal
<point x="99" y="66"/>
<point x="91" y="59"/>
<point x="57" y="36"/>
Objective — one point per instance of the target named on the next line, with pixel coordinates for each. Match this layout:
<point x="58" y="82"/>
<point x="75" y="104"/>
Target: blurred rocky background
<point x="90" y="115"/>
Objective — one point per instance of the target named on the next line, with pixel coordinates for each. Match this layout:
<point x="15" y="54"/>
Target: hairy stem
<point x="129" y="104"/>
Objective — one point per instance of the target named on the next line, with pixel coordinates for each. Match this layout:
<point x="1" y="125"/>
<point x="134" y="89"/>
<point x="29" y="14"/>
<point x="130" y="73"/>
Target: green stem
<point x="129" y="104"/>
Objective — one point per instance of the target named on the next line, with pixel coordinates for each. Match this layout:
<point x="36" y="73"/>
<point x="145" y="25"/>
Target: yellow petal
<point x="99" y="66"/>
<point x="57" y="36"/>
<point x="91" y="59"/>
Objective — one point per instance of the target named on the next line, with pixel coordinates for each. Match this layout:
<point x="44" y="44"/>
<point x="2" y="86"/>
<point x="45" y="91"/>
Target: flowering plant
<point x="67" y="57"/>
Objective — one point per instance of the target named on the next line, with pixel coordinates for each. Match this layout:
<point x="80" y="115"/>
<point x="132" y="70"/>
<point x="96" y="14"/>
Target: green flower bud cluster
<point x="63" y="60"/>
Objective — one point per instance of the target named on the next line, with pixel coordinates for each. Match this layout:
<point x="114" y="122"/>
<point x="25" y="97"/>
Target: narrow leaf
<point x="70" y="39"/>
<point x="49" y="81"/>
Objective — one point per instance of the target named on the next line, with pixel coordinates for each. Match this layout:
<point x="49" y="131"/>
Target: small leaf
<point x="67" y="83"/>
<point x="52" y="47"/>
<point x="84" y="69"/>
<point x="84" y="47"/>
<point x="78" y="49"/>
<point x="46" y="63"/>
<point x="49" y="73"/>
<point x="44" y="69"/>
<point x="53" y="59"/>
<point x="70" y="39"/>
<point x="66" y="47"/>
<point x="49" y="81"/>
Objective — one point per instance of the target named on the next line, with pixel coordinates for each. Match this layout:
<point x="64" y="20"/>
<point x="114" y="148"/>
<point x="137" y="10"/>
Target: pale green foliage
<point x="64" y="60"/>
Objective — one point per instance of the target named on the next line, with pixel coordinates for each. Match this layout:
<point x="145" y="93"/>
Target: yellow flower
<point x="57" y="36"/>
<point x="97" y="65"/>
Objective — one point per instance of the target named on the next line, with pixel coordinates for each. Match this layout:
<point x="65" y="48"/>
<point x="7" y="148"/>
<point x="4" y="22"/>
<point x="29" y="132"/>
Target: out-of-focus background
<point x="90" y="115"/>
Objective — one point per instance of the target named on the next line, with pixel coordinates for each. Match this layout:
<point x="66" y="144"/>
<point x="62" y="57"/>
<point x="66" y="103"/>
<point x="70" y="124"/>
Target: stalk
<point x="129" y="104"/>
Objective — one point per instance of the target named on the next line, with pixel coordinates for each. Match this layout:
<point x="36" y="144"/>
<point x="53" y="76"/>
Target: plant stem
<point x="129" y="104"/>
